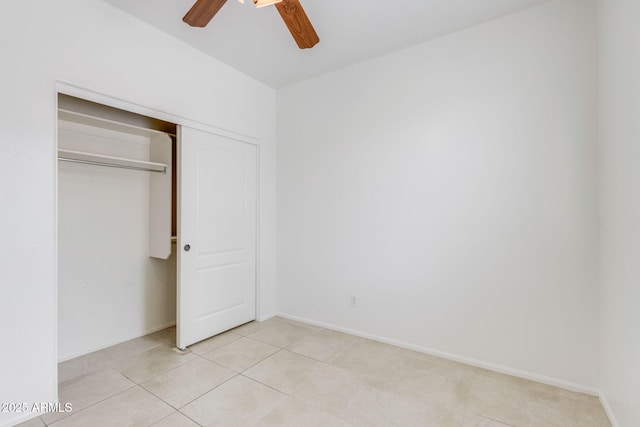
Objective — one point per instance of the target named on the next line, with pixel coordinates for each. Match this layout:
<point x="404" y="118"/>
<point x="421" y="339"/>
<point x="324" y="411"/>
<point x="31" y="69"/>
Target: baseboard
<point x="120" y="341"/>
<point x="608" y="410"/>
<point x="456" y="358"/>
<point x="20" y="419"/>
<point x="266" y="317"/>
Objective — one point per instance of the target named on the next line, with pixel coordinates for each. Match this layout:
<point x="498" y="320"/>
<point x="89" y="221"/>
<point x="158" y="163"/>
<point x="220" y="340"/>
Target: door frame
<point x="66" y="88"/>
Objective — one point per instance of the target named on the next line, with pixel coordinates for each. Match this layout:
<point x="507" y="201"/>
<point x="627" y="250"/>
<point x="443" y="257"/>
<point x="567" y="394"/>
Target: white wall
<point x="451" y="187"/>
<point x="619" y="62"/>
<point x="94" y="46"/>
<point x="109" y="289"/>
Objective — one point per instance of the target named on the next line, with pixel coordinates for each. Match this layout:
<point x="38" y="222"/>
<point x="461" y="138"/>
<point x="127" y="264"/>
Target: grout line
<point x="208" y="391"/>
<point x="261" y="360"/>
<point x="188" y="417"/>
<point x="194" y="399"/>
<point x="164" y="418"/>
<point x="267" y="385"/>
<point x="71" y="414"/>
<point x="474" y="376"/>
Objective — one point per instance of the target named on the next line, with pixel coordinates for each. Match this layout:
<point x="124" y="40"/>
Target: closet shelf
<point x="110" y="161"/>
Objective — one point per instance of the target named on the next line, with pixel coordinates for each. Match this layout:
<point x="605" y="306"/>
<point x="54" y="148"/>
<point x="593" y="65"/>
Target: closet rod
<point x="110" y="161"/>
<point x="110" y="165"/>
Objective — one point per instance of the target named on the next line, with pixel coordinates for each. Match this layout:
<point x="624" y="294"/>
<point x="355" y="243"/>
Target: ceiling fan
<point x="291" y="12"/>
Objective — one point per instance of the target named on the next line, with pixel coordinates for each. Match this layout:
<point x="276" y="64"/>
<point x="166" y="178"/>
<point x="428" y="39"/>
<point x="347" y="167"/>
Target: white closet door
<point x="217" y="216"/>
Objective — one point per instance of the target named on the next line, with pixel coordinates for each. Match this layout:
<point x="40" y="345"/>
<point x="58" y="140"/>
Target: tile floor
<point x="285" y="373"/>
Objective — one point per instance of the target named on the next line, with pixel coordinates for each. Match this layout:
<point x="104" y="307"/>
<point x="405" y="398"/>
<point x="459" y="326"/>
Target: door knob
<point x="187" y="247"/>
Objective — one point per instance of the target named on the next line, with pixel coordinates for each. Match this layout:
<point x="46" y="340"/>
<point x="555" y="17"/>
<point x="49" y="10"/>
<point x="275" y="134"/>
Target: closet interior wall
<point x="111" y="288"/>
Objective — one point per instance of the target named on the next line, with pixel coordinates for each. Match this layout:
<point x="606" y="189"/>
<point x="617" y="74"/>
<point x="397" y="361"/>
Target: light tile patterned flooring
<point x="285" y="373"/>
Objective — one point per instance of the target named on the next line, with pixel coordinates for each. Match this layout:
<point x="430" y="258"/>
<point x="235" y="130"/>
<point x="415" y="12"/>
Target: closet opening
<point x="117" y="228"/>
<point x="157" y="233"/>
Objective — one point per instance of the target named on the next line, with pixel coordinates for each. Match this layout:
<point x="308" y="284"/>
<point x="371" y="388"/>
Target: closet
<point x="157" y="225"/>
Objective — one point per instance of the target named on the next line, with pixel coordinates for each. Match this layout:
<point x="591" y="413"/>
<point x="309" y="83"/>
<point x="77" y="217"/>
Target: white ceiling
<point x="256" y="41"/>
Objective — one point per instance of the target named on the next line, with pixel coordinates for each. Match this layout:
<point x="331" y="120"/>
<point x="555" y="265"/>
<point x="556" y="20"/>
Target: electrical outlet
<point x="353" y="301"/>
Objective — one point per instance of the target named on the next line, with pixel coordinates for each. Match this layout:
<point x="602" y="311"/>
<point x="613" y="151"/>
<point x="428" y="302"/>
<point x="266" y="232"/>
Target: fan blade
<point x="298" y="23"/>
<point x="202" y="12"/>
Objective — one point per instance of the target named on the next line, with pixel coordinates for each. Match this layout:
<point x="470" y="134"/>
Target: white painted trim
<point x="23" y="418"/>
<point x="56" y="196"/>
<point x="79" y="92"/>
<point x="267" y="317"/>
<point x="131" y="337"/>
<point x="178" y="229"/>
<point x="467" y="360"/>
<point x="258" y="289"/>
<point x="608" y="410"/>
